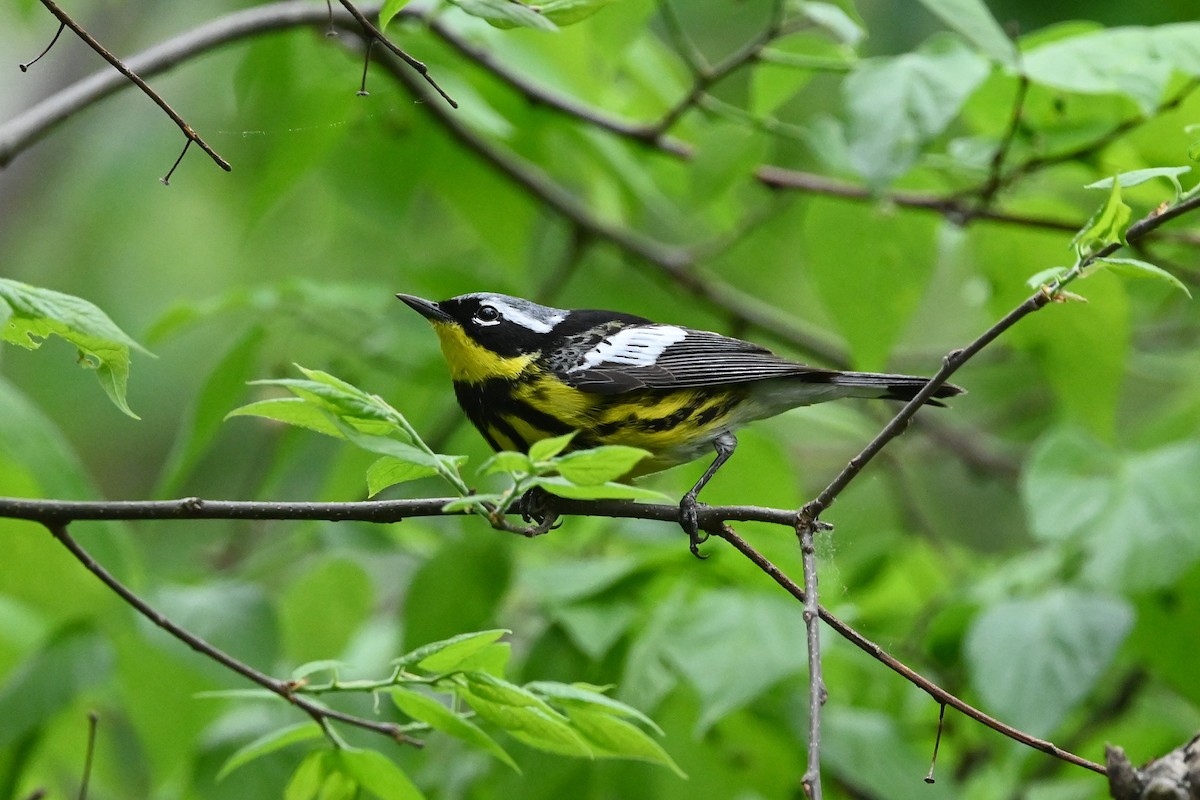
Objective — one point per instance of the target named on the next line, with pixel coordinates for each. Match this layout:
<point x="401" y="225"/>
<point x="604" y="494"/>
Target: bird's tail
<point x="890" y="387"/>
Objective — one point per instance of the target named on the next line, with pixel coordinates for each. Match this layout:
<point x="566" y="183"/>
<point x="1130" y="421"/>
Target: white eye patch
<point x="633" y="347"/>
<point x="527" y="314"/>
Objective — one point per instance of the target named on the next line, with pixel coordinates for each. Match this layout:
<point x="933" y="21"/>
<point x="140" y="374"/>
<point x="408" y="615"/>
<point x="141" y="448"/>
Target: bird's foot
<point x="689" y="520"/>
<point x="535" y="507"/>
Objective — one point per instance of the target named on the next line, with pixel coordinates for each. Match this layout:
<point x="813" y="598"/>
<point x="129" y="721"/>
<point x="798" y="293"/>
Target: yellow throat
<point x="470" y="362"/>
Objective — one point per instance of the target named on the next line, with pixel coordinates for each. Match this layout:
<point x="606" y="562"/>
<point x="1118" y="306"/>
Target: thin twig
<point x="137" y="81"/>
<point x="88" y="754"/>
<point x="377" y="35"/>
<point x="879" y="654"/>
<point x="319" y="714"/>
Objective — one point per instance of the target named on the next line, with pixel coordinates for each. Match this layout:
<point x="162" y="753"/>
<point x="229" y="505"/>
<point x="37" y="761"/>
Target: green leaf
<point x="974" y="21"/>
<point x="506" y="14"/>
<point x="269" y="743"/>
<point x="568" y="12"/>
<point x="1133" y="61"/>
<point x="1033" y="660"/>
<point x="291" y="411"/>
<point x="1106" y="226"/>
<point x="575" y="695"/>
<point x="447" y="654"/>
<point x="612" y="737"/>
<point x="894" y="105"/>
<point x="600" y="465"/>
<point x="388" y="12"/>
<point x="507" y="461"/>
<point x="835" y="20"/>
<point x="376" y="773"/>
<point x="307" y="779"/>
<point x="331" y="665"/>
<point x="544" y="449"/>
<point x="523" y="715"/>
<point x="1067" y="483"/>
<point x="1046" y="276"/>
<point x="1134" y="268"/>
<point x="1134" y="177"/>
<point x="389" y="471"/>
<point x="603" y="491"/>
<point x="470" y="501"/>
<point x="29" y="315"/>
<point x="428" y="710"/>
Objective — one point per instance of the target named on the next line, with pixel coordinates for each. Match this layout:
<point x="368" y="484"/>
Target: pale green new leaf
<point x="307" y="779"/>
<point x="1134" y="177"/>
<point x="1106" y="226"/>
<point x="604" y="491"/>
<point x="446" y="654"/>
<point x="30" y="314"/>
<point x="1135" y="268"/>
<point x="388" y="12"/>
<point x="323" y="665"/>
<point x="522" y="715"/>
<point x="600" y="465"/>
<point x="973" y="20"/>
<point x="428" y="710"/>
<point x="568" y="12"/>
<point x="613" y="737"/>
<point x="544" y="449"/>
<point x="390" y="470"/>
<point x="1045" y="276"/>
<point x="506" y="14"/>
<point x="269" y="743"/>
<point x="376" y="773"/>
<point x="575" y="695"/>
<point x="506" y="461"/>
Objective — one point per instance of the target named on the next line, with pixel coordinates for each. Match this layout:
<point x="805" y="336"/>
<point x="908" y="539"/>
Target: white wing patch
<point x="632" y="347"/>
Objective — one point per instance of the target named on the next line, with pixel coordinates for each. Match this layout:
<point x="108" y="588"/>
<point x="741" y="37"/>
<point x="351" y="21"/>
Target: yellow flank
<point x="547" y="394"/>
<point x="470" y="362"/>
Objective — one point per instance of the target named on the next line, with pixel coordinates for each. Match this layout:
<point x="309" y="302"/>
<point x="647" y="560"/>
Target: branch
<point x="137" y="81"/>
<point x="377" y="35"/>
<point x="56" y="514"/>
<point x="319" y="713"/>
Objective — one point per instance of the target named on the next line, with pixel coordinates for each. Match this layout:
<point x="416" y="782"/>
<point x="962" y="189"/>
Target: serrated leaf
<point x="972" y="19"/>
<point x="612" y="737"/>
<point x="1106" y="226"/>
<point x="376" y="773"/>
<point x="1135" y="268"/>
<point x="445" y="655"/>
<point x="437" y="716"/>
<point x="604" y="491"/>
<point x="506" y="14"/>
<point x="497" y="690"/>
<point x="1033" y="660"/>
<point x="389" y="471"/>
<point x="269" y="743"/>
<point x="30" y="314"/>
<point x="388" y="12"/>
<point x="1134" y="177"/>
<point x="544" y="449"/>
<point x="599" y="465"/>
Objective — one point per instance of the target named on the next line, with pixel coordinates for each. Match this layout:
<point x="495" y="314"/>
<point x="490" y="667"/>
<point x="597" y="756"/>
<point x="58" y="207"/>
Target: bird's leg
<point x="724" y="444"/>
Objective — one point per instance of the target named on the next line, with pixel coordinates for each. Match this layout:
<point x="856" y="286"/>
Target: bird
<point x="523" y="372"/>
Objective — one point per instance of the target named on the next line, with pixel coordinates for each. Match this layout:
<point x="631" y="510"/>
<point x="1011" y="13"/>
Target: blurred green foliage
<point x="1032" y="549"/>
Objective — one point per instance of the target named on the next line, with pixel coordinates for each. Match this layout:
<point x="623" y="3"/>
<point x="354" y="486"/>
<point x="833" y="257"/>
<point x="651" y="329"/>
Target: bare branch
<point x="137" y="81"/>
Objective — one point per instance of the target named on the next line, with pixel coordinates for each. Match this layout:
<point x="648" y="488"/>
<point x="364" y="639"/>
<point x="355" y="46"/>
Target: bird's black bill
<point x="426" y="308"/>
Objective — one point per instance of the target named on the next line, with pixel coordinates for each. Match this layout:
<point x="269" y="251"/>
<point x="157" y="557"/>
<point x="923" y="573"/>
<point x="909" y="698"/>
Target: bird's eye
<point x="487" y="315"/>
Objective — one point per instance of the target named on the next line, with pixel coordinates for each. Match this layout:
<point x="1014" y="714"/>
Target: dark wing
<point x="668" y="357"/>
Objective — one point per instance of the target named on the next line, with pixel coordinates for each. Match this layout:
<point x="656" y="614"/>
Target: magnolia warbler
<point x="524" y="372"/>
